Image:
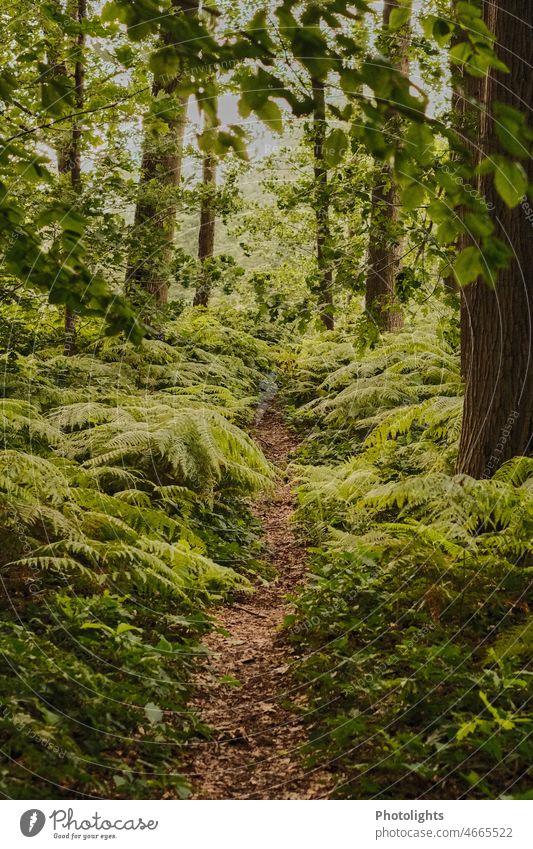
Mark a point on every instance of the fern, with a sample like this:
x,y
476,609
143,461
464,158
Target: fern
x,y
188,444
515,642
421,576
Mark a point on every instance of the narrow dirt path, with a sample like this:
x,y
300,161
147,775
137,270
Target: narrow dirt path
x,y
255,753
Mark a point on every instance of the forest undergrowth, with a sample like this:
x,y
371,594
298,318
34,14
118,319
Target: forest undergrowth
x,y
126,478
129,476
415,631
207,209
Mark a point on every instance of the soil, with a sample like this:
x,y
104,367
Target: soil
x,y
258,733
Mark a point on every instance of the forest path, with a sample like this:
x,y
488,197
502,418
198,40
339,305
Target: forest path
x,y
256,749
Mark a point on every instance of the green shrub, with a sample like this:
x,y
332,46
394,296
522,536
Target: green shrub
x,y
415,628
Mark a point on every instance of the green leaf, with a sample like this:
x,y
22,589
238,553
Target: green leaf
x,y
232,141
448,231
509,137
399,16
124,627
427,23
153,713
439,211
57,95
468,266
466,11
421,141
442,32
413,196
511,181
8,84
478,224
335,147
460,53
270,114
165,61
467,728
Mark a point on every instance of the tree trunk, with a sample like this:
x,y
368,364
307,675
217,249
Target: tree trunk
x,y
465,121
384,254
457,119
206,235
68,146
496,323
386,246
79,12
323,233
150,258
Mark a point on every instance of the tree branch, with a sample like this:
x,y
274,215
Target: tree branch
x,y
76,115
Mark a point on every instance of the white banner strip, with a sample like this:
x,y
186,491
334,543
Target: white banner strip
x,y
268,825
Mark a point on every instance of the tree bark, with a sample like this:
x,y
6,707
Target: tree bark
x,y
68,148
496,323
457,104
206,235
469,124
384,254
465,121
323,230
79,12
150,257
386,246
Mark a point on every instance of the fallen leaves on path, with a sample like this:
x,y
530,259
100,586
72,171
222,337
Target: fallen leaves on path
x,y
257,740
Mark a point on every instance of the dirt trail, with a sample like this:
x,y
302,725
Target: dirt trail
x,y
255,753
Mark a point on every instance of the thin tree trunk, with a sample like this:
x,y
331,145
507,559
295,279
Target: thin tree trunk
x,y
323,231
384,254
150,258
386,245
206,235
465,120
496,323
74,153
469,125
68,146
458,111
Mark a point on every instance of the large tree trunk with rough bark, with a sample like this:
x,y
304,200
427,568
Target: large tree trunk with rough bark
x,y
323,231
385,244
151,253
496,323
